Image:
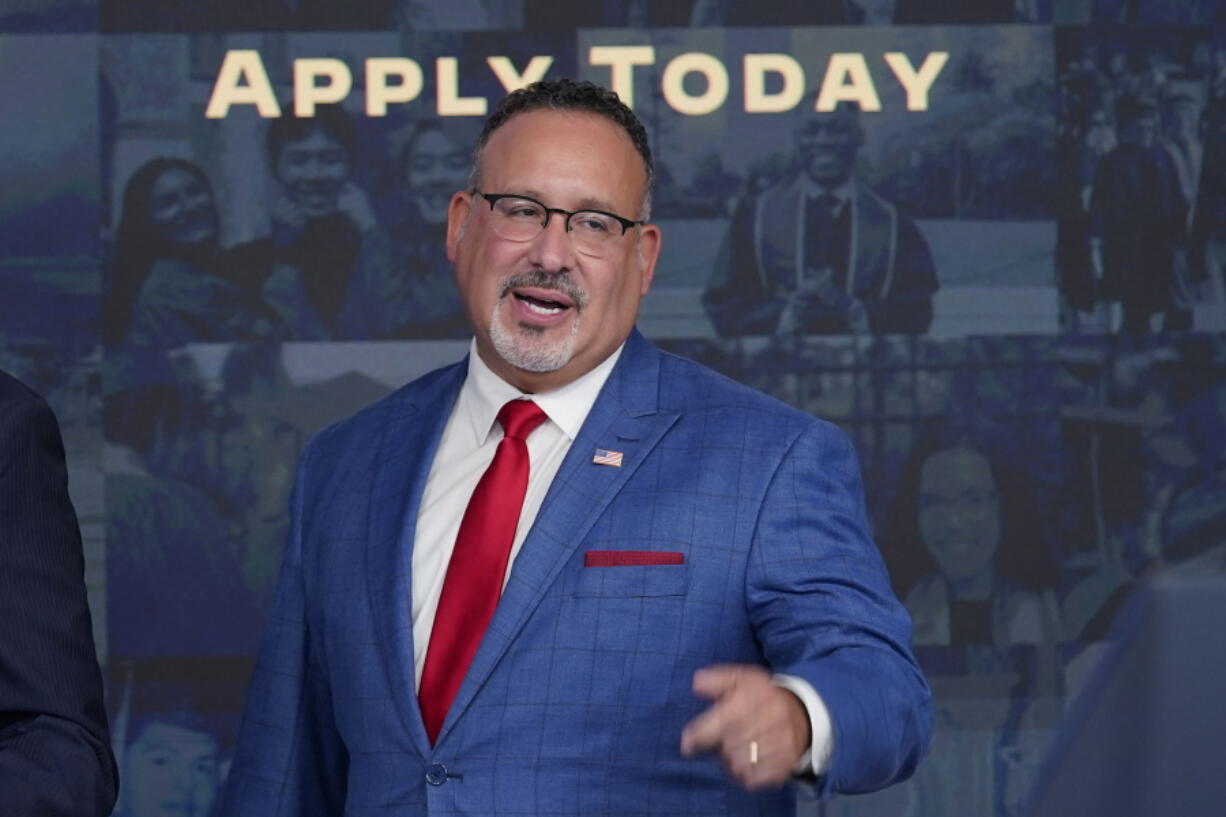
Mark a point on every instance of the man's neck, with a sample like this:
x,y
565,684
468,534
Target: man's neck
x,y
841,190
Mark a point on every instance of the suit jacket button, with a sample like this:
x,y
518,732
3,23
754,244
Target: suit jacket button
x,y
436,775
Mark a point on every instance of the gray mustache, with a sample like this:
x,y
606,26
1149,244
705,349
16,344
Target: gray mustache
x,y
560,282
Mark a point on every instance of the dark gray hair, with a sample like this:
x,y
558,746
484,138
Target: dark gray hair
x,y
569,95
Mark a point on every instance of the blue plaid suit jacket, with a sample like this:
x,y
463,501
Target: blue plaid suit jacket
x,y
575,701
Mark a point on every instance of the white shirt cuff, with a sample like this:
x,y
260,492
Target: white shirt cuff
x,y
817,758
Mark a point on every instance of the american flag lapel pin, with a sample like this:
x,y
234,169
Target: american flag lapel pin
x,y
603,457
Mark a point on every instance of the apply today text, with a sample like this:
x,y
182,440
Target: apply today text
x,y
243,80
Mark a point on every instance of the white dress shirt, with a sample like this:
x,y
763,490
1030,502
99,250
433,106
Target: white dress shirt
x,y
466,450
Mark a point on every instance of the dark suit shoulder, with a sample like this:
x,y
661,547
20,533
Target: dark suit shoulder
x,y
13,392
27,420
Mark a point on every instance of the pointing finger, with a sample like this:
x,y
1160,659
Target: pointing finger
x,y
716,680
704,733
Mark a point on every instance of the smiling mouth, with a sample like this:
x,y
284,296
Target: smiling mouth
x,y
541,300
541,306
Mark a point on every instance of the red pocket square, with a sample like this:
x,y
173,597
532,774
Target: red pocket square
x,y
623,558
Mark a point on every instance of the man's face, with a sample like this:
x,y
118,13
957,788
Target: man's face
x,y
959,515
312,171
827,144
181,208
434,168
543,313
169,771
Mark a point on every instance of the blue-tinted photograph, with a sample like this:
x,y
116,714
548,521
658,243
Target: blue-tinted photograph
x,y
49,203
1109,12
48,16
1141,154
327,227
1145,426
181,16
201,445
754,13
766,204
173,727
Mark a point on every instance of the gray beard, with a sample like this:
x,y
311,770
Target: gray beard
x,y
526,346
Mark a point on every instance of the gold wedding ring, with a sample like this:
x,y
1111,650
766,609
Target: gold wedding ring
x,y
753,753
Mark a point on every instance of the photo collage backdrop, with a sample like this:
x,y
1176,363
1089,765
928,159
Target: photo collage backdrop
x,y
1013,304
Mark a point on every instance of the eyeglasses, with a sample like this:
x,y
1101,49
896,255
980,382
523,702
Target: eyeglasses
x,y
519,218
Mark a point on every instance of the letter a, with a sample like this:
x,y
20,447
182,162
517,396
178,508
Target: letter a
x,y
237,66
847,80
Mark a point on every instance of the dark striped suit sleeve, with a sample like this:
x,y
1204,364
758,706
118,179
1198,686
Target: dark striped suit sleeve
x,y
55,757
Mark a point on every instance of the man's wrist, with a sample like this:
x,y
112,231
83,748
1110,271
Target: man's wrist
x,y
816,757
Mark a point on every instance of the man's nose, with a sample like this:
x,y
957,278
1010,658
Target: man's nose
x,y
552,249
315,166
180,780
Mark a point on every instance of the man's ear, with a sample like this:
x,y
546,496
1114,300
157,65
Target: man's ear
x,y
650,239
458,212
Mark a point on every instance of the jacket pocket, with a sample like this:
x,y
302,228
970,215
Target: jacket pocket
x,y
631,558
629,580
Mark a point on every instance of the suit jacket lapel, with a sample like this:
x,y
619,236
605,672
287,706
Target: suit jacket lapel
x,y
411,433
624,418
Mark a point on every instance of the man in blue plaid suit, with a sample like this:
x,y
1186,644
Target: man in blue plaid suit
x,y
693,616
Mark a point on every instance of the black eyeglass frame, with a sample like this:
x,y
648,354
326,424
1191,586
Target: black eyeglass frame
x,y
494,198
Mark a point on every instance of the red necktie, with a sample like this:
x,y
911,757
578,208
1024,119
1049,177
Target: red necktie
x,y
478,565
